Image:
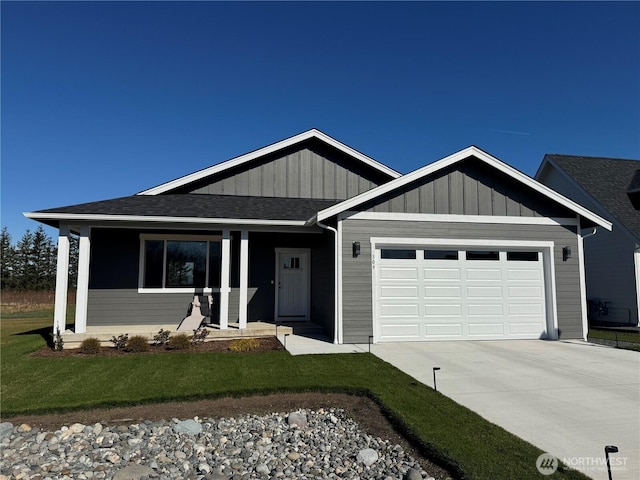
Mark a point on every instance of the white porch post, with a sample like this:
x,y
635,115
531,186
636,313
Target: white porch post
x,y
62,280
244,278
224,280
82,295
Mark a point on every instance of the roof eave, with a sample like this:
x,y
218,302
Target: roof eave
x,y
84,218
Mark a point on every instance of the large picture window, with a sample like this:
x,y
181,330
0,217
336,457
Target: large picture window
x,y
180,262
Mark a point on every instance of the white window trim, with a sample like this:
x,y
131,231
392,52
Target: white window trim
x,y
166,238
546,247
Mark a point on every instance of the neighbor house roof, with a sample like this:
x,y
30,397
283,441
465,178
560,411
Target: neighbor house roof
x,y
468,152
289,142
189,208
606,180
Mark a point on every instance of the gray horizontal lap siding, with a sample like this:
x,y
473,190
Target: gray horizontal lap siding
x,y
357,272
468,188
308,171
113,282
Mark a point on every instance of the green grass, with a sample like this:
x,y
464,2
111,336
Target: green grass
x,y
613,335
448,433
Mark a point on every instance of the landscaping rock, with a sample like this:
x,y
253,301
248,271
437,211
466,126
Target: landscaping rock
x,y
368,456
297,419
190,427
133,472
304,444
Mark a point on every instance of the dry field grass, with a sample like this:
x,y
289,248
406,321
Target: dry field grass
x,y
20,302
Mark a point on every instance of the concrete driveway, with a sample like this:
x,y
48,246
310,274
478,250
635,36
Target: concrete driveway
x,y
568,398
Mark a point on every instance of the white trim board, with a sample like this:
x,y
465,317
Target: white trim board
x,y
79,217
450,160
234,162
429,217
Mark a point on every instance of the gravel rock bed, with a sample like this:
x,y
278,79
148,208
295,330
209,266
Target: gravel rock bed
x,y
304,444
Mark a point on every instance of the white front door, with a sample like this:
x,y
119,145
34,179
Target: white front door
x,y
292,284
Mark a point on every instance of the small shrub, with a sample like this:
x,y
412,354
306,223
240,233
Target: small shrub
x,y
90,346
120,341
179,342
137,344
161,338
244,345
199,336
58,343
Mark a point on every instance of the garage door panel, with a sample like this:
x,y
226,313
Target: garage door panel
x,y
443,329
399,310
395,273
486,329
493,274
516,275
424,298
442,274
528,291
401,291
526,309
443,310
482,310
442,291
403,330
484,292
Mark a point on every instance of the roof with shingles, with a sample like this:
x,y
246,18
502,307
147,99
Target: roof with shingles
x,y
200,206
607,180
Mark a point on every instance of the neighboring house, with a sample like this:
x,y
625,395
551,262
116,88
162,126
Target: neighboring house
x,y
310,229
611,188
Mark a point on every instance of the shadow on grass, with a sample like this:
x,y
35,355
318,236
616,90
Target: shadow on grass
x,y
45,332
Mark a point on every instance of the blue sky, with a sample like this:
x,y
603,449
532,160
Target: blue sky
x,y
101,100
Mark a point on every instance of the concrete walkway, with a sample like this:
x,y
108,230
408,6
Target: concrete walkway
x,y
568,398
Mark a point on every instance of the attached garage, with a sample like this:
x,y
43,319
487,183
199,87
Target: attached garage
x,y
466,248
435,292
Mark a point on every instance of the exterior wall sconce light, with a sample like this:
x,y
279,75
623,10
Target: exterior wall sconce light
x,y
566,253
356,249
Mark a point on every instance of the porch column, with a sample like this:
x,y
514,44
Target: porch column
x,y
62,280
244,278
224,280
82,295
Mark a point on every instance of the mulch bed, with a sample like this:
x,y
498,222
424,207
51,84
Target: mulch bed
x,y
266,344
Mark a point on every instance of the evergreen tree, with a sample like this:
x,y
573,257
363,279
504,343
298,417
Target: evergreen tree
x,y
7,263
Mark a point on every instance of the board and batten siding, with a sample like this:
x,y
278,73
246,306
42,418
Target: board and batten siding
x,y
357,274
308,171
468,188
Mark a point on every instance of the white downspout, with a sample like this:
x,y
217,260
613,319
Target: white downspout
x,y
335,280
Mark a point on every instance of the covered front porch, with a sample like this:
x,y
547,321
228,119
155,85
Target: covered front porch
x,y
258,278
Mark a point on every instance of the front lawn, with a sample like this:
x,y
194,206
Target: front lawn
x,y
453,435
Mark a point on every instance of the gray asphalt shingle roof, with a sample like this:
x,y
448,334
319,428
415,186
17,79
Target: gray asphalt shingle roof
x,y
607,180
202,206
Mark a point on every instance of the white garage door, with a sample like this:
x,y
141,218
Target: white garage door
x,y
436,294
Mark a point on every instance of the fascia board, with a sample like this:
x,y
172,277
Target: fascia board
x,y
234,162
450,160
74,217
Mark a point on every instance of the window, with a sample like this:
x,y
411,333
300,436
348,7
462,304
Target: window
x,y
441,255
398,254
483,255
291,263
181,262
522,256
